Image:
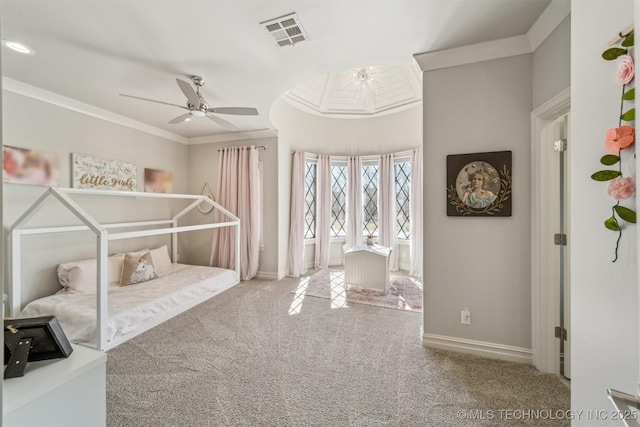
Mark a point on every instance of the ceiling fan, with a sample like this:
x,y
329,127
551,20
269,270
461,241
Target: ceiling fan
x,y
197,106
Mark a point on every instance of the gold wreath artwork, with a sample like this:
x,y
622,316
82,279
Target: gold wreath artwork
x,y
503,195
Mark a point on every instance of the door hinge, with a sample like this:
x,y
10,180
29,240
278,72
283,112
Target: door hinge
x,y
560,239
560,145
561,333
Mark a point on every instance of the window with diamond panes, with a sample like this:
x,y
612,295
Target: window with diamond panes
x,y
403,190
370,199
309,200
338,200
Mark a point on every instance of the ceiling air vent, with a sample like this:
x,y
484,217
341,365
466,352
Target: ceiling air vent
x,y
286,30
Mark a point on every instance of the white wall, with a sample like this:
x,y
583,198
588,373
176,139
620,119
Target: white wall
x,y
347,137
298,130
480,263
604,308
35,124
203,167
552,64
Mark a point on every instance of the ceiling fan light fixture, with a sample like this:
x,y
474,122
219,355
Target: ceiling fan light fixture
x,y
197,113
18,47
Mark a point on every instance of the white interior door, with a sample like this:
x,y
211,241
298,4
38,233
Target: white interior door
x,y
566,271
550,122
560,213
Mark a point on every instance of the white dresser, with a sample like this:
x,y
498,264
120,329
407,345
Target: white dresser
x,y
60,392
367,266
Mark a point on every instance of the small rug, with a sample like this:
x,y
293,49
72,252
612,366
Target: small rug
x,y
404,293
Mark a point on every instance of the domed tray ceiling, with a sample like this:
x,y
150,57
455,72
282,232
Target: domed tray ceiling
x,y
359,92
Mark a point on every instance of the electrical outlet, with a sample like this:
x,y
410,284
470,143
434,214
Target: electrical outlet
x,y
465,317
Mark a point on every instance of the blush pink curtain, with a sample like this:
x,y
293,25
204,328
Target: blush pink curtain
x,y
387,233
323,211
296,263
355,227
239,192
415,213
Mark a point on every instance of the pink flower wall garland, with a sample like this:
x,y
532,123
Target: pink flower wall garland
x,y
621,188
618,139
624,70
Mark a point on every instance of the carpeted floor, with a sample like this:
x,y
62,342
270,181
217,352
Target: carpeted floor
x,y
249,358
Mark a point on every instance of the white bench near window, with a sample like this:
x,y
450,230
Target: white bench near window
x,y
367,266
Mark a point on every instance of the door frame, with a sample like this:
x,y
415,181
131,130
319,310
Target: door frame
x,y
544,299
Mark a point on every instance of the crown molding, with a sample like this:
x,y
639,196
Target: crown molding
x,y
34,92
548,21
234,136
43,95
470,54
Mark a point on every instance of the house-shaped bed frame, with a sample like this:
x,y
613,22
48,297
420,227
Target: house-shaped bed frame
x,y
104,234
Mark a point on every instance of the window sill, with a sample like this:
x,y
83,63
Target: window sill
x,y
331,240
401,242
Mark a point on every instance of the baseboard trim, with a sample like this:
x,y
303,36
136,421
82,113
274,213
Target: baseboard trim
x,y
267,275
478,348
332,263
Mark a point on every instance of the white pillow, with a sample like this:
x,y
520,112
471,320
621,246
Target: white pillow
x,y
161,259
80,276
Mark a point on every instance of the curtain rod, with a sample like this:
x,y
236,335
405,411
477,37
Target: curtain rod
x,y
397,153
259,147
620,35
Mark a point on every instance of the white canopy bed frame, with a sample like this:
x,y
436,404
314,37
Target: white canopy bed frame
x,y
104,235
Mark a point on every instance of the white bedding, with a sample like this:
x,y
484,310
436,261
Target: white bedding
x,y
130,307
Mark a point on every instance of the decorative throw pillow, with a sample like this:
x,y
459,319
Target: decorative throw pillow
x,y
80,276
161,260
137,268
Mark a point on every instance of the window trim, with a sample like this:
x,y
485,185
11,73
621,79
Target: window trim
x,y
374,200
367,160
343,207
395,179
315,199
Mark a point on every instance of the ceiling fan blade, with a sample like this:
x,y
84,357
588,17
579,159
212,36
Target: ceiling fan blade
x,y
153,100
180,119
189,92
224,123
238,111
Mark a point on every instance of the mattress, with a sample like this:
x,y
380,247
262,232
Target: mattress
x,y
134,305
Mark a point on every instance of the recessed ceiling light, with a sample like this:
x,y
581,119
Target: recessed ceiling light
x,y
18,47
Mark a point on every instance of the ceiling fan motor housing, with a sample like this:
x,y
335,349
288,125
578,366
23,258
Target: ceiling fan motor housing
x,y
197,80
